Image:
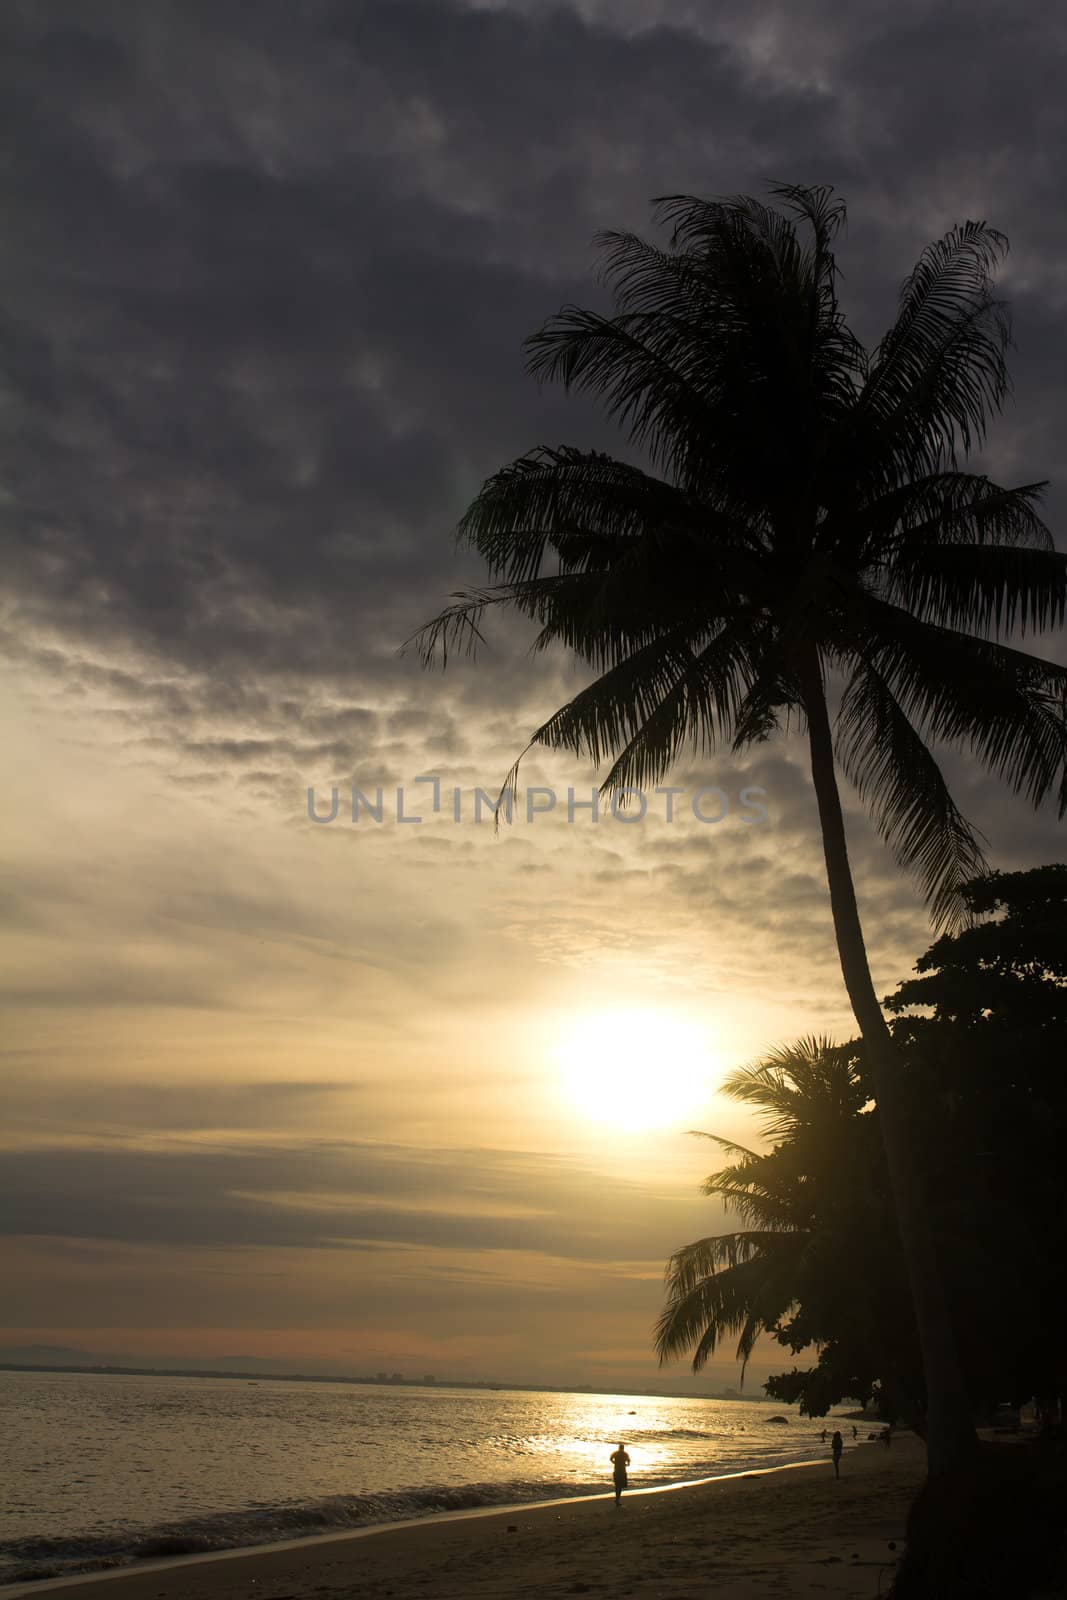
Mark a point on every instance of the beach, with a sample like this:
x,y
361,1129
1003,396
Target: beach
x,y
784,1532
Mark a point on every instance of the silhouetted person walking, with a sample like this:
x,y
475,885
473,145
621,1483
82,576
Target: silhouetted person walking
x,y
837,1445
855,1431
620,1461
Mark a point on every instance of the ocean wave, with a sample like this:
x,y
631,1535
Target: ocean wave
x,y
37,1557
656,1435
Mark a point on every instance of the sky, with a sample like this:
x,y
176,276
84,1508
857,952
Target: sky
x,y
406,1095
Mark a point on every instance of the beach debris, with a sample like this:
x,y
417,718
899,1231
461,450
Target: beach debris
x,y
513,1527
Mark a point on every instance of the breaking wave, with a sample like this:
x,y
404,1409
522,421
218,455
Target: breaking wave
x,y
39,1557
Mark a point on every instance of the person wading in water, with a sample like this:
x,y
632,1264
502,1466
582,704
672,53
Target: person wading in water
x,y
620,1461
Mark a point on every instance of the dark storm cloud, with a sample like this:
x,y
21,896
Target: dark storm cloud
x,y
260,315
263,311
328,1196
261,324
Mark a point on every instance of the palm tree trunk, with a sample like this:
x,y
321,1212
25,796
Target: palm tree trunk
x,y
951,1438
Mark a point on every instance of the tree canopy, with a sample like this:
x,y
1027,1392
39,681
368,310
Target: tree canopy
x,y
820,1268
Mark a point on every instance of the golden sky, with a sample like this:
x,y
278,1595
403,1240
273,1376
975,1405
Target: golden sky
x,y
383,1096
404,1095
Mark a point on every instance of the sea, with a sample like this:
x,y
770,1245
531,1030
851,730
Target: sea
x,y
106,1470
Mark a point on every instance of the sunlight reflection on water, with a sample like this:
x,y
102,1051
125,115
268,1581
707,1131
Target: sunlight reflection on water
x,y
110,1457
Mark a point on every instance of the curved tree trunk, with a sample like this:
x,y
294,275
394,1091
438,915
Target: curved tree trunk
x,y
951,1438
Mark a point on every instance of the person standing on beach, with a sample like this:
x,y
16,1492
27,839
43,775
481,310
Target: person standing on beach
x,y
619,1461
837,1445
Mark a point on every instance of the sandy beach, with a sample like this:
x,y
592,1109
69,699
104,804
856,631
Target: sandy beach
x,y
792,1531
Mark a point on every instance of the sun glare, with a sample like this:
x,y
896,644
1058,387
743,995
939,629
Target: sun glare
x,y
635,1070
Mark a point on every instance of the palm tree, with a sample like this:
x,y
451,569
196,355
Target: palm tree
x,y
805,540
745,1282
814,1243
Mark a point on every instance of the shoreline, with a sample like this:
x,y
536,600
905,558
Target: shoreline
x,y
25,1586
410,1557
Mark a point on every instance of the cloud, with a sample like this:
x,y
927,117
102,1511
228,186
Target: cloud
x,y
327,1196
260,341
287,350
232,441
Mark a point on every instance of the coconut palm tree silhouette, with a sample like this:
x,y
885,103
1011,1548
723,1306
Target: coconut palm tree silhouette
x,y
813,1211
807,548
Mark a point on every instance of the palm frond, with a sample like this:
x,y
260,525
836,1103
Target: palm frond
x,y
780,293
939,374
729,1145
945,507
673,691
1005,707
735,1284
768,1204
645,370
898,779
458,627
982,588
793,1082
772,692
956,549
585,509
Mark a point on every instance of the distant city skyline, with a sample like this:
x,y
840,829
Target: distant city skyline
x,y
68,1359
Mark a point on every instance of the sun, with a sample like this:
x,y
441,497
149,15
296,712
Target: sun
x,y
635,1070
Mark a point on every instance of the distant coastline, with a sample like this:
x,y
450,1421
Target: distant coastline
x,y
394,1381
